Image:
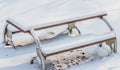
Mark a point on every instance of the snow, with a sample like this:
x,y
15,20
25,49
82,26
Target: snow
x,y
11,59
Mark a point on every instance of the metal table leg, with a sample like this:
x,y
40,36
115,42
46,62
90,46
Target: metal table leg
x,y
114,48
72,26
8,37
39,52
4,35
113,45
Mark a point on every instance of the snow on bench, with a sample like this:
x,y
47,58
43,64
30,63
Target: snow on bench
x,y
70,43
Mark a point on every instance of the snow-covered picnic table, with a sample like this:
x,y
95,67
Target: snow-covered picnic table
x,y
34,20
10,66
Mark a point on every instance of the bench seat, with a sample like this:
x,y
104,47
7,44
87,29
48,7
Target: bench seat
x,y
68,43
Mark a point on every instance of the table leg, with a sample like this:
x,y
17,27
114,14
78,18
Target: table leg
x,y
72,26
5,34
8,36
113,45
39,52
114,48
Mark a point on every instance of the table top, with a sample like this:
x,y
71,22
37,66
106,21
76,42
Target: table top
x,y
52,14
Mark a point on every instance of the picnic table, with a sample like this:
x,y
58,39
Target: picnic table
x,y
53,16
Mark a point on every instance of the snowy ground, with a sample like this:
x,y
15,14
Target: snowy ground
x,y
18,59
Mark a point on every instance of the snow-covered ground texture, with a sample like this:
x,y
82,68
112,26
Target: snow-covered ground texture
x,y
19,59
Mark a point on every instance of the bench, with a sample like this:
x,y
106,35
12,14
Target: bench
x,y
70,43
